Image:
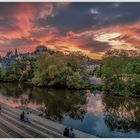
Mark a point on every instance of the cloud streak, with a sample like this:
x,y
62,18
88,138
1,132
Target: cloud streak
x,y
90,27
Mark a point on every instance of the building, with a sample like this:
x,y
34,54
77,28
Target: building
x,y
40,49
8,59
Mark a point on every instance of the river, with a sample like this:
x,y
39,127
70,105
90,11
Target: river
x,y
93,112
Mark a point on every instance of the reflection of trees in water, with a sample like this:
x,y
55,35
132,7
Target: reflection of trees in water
x,y
121,113
15,91
12,90
55,103
60,102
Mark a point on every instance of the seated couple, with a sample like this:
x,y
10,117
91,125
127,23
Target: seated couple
x,y
25,117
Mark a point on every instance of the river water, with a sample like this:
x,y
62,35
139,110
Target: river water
x,y
93,112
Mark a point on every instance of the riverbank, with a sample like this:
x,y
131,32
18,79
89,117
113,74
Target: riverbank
x,y
40,127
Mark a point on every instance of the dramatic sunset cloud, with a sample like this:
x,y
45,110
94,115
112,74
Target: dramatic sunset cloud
x,y
91,27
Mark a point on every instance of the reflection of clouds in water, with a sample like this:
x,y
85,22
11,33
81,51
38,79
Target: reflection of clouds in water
x,y
94,104
94,124
10,101
16,102
91,123
121,134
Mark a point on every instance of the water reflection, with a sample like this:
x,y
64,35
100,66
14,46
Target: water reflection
x,y
58,103
98,114
122,114
53,103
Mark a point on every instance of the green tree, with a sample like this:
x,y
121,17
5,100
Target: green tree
x,y
121,74
61,71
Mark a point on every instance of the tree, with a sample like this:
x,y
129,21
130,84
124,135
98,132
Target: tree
x,y
61,71
17,71
121,74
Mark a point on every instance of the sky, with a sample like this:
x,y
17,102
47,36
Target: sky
x,y
89,27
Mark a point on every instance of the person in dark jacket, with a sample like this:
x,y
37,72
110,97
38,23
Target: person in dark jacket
x,y
22,116
66,132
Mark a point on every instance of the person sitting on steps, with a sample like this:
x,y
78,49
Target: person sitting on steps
x,y
66,132
26,118
71,133
22,116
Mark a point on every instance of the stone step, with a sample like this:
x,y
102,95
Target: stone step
x,y
40,122
26,127
3,134
18,112
56,132
11,129
35,125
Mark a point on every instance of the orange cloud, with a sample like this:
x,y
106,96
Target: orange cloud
x,y
121,36
18,28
